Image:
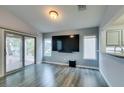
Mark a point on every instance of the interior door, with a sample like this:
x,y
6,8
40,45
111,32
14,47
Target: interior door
x,y
29,50
13,52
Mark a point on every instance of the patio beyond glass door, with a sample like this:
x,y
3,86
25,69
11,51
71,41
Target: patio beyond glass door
x,y
13,52
29,50
19,51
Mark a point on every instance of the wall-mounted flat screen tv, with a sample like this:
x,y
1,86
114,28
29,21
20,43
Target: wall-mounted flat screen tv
x,y
65,43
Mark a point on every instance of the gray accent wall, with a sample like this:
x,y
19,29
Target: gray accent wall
x,y
39,49
60,57
111,67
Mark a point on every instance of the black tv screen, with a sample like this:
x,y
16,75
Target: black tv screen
x,y
65,43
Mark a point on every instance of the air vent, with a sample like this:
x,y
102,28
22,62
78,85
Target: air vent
x,y
81,7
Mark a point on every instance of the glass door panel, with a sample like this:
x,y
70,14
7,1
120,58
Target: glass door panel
x,y
29,50
13,52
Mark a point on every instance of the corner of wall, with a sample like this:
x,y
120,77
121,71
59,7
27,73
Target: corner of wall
x,y
108,83
39,48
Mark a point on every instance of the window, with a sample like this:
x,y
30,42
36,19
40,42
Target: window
x,y
90,47
47,47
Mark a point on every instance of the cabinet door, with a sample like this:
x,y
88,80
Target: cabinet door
x,y
122,40
113,38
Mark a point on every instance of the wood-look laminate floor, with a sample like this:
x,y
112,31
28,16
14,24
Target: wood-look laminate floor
x,y
47,75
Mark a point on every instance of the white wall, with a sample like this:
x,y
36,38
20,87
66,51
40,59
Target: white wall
x,y
10,21
111,67
39,51
1,52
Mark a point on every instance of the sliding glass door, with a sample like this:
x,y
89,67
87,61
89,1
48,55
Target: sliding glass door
x,y
13,52
19,51
29,50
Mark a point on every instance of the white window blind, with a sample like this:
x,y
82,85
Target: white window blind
x,y
47,47
89,47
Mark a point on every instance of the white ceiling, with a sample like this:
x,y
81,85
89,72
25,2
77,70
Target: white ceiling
x,y
69,16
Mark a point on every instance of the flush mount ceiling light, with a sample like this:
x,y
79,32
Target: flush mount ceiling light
x,y
71,36
53,14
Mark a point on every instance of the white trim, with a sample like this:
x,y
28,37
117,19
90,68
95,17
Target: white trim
x,y
107,81
65,64
56,63
88,67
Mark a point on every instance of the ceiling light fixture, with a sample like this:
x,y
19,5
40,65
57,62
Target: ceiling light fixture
x,y
71,36
53,14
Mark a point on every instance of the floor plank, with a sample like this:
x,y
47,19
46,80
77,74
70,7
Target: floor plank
x,y
48,75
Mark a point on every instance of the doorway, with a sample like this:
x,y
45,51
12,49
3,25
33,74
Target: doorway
x,y
20,51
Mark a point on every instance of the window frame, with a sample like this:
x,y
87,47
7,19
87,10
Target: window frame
x,y
10,31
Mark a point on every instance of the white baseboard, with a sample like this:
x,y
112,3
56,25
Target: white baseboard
x,y
108,83
56,63
88,67
65,64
